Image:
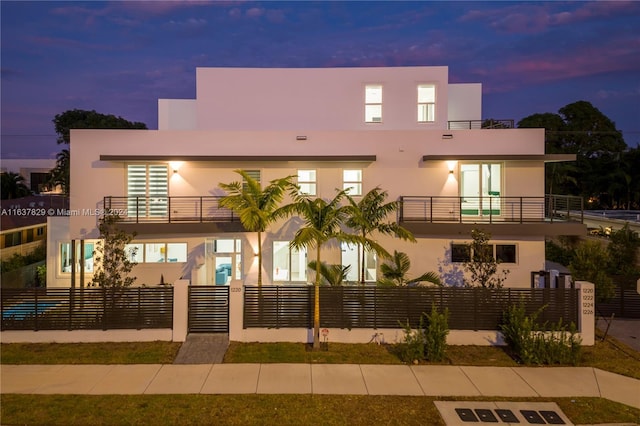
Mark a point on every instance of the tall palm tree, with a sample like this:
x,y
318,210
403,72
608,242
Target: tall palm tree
x,y
257,207
370,215
323,221
394,273
60,175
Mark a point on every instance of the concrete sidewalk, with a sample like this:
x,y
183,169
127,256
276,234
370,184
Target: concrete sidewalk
x,y
340,379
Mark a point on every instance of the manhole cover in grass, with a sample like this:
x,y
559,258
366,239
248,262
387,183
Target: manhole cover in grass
x,y
455,413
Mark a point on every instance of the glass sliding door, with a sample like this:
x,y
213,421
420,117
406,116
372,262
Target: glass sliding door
x,y
480,189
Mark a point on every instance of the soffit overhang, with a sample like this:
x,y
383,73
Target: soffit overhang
x,y
547,158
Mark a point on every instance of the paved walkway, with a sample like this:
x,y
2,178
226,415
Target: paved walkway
x,y
341,379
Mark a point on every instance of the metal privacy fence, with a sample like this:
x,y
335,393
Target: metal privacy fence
x,y
390,307
624,304
87,308
208,309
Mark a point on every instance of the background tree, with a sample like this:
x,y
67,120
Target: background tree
x,y
580,128
370,215
623,255
113,259
394,273
257,207
590,263
81,119
12,186
323,221
482,265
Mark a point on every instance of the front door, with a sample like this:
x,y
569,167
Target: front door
x,y
223,260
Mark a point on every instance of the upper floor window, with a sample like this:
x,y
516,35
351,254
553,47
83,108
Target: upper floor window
x,y
426,103
352,181
253,174
147,189
373,103
307,182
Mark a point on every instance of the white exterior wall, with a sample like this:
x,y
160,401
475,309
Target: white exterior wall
x,y
314,98
177,114
465,101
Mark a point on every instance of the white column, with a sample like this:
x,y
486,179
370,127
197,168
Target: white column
x,y
180,310
586,312
236,311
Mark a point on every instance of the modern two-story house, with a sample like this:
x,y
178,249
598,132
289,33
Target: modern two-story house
x,y
404,129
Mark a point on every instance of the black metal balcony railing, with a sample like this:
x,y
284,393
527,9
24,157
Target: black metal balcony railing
x,y
480,124
491,209
175,209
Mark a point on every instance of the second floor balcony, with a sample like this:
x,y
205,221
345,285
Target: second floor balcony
x,y
423,215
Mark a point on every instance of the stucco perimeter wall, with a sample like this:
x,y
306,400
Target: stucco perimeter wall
x,y
314,98
398,168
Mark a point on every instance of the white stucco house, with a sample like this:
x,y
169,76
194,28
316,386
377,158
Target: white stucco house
x,y
404,129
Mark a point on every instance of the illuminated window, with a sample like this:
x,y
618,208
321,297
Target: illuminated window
x,y
373,103
307,182
65,256
352,181
289,264
426,103
147,189
352,256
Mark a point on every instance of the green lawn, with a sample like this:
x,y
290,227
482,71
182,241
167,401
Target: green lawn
x,y
264,409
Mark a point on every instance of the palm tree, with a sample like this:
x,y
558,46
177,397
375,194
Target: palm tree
x,y
394,273
323,221
334,275
59,175
257,207
13,186
370,215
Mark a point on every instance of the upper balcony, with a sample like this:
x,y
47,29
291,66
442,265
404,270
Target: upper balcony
x,y
481,124
423,215
441,215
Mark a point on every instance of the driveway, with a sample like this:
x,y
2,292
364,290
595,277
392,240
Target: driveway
x,y
625,330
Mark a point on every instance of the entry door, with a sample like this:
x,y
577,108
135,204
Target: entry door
x,y
480,189
223,261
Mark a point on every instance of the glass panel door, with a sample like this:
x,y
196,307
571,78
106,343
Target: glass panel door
x,y
223,261
480,189
470,189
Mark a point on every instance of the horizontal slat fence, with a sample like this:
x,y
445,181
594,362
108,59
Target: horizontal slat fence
x,y
624,304
87,308
208,309
389,307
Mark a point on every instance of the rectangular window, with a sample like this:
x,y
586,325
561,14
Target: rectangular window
x,y
156,252
307,182
40,231
289,264
29,235
176,252
147,189
373,103
352,256
135,252
352,181
503,253
13,239
65,256
426,103
253,174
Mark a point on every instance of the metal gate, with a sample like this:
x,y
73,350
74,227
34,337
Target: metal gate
x,y
208,309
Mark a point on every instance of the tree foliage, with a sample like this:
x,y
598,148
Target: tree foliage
x,y
13,186
482,266
333,275
257,207
605,173
371,215
623,255
80,119
394,273
591,263
113,259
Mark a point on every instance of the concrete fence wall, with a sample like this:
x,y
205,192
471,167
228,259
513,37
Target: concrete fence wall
x,y
586,325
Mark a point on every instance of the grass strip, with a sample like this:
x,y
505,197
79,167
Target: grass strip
x,y
265,409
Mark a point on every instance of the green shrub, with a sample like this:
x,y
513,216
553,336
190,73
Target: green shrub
x,y
412,350
531,344
435,334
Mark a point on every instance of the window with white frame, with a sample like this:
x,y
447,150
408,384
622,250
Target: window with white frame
x,y
253,174
373,103
147,189
426,103
289,264
352,256
66,257
352,181
307,182
156,252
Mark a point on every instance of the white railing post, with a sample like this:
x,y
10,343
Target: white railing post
x,y
236,310
180,310
586,312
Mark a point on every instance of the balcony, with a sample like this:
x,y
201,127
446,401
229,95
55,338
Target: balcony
x,y
172,214
548,215
480,124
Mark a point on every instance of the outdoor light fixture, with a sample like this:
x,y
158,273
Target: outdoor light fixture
x,y
447,136
450,172
301,138
175,165
451,165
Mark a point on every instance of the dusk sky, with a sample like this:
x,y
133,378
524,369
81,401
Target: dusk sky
x,y
120,57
